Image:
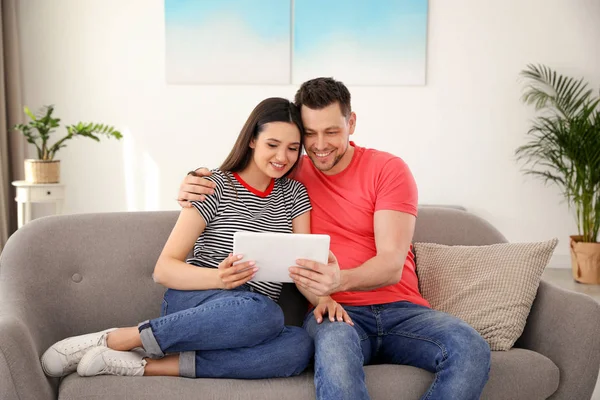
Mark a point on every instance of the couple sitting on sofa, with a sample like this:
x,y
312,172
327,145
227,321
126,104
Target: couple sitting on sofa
x,y
216,322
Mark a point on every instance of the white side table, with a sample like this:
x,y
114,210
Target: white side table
x,y
28,193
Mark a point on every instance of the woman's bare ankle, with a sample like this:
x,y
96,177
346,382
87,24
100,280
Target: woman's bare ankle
x,y
124,339
167,366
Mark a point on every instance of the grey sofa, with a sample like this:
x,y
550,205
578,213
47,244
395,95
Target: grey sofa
x,y
68,275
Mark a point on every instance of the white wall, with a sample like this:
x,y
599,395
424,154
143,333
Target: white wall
x,y
103,60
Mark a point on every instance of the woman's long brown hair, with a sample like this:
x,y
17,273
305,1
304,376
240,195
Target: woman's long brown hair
x,y
274,109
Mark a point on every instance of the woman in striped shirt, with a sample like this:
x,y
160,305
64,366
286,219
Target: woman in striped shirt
x,y
215,322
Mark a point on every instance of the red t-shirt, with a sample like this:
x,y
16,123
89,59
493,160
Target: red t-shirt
x,y
343,208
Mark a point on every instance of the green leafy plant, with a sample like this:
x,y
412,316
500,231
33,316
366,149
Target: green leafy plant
x,y
38,130
564,142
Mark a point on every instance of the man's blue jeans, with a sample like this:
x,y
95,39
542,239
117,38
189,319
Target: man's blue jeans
x,y
398,333
226,334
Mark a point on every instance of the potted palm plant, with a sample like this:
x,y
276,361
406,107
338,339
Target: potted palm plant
x,y
564,149
45,169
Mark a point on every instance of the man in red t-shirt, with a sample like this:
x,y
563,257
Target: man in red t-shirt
x,y
366,200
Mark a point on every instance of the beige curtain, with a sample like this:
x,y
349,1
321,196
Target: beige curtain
x,y
12,144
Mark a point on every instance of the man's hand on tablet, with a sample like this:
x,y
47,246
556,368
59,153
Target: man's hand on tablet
x,y
319,279
194,187
232,276
332,308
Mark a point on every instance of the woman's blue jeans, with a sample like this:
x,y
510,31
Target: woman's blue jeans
x,y
226,334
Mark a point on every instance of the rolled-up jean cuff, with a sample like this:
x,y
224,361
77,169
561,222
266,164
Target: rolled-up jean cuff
x,y
149,341
187,364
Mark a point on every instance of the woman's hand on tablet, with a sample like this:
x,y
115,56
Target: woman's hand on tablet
x,y
332,308
232,276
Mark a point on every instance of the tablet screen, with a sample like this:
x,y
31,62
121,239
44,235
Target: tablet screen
x,y
274,253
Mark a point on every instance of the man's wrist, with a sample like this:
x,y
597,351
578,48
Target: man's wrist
x,y
345,278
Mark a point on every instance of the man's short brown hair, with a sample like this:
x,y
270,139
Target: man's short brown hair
x,y
319,93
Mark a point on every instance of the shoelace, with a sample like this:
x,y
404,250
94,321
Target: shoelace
x,y
116,366
75,352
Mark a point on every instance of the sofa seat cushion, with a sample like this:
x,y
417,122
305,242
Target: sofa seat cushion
x,y
521,374
531,376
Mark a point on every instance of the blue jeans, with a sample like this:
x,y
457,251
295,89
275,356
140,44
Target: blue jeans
x,y
226,334
398,333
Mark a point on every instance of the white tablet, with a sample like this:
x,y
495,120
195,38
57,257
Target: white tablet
x,y
274,253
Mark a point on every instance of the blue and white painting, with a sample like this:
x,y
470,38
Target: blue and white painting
x,y
360,42
228,41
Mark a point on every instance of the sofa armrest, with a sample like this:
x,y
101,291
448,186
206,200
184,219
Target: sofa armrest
x,y
21,374
564,326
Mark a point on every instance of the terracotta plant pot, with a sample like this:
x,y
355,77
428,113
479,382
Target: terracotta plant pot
x,y
40,171
585,261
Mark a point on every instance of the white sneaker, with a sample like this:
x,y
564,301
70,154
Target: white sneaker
x,y
105,361
62,357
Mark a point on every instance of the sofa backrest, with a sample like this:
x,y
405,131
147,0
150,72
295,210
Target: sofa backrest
x,y
80,273
452,226
86,272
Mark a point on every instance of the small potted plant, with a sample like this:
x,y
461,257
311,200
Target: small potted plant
x,y
564,149
45,169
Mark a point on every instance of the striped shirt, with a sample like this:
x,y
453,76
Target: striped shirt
x,y
235,207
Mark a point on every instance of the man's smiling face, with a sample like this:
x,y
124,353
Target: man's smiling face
x,y
327,137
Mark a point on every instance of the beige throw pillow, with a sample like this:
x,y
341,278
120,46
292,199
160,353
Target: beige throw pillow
x,y
491,287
